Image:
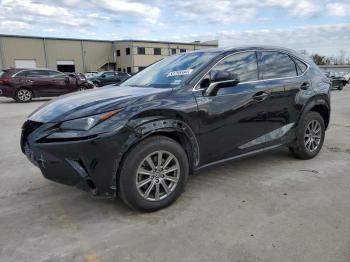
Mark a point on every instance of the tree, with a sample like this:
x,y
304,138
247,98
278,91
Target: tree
x,y
319,60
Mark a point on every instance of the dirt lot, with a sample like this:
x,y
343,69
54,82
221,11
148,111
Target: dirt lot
x,y
270,207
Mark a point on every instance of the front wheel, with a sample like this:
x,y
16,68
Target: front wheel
x,y
340,87
310,135
153,174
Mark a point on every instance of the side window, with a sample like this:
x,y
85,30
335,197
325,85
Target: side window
x,y
277,65
243,64
108,74
21,74
37,73
301,66
56,74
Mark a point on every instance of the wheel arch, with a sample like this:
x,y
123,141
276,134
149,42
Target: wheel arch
x,y
320,105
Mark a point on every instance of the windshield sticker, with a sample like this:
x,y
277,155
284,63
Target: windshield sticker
x,y
179,73
176,82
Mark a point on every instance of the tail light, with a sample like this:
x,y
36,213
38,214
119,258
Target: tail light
x,y
4,81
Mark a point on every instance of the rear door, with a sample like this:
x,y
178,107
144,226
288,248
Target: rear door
x,y
280,70
38,81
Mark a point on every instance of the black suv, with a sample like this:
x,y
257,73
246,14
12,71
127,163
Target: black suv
x,y
186,112
108,78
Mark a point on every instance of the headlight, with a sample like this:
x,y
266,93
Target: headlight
x,y
86,123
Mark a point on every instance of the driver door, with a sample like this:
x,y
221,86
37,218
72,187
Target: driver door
x,y
233,120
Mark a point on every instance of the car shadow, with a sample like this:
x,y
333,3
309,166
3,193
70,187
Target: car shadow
x,y
10,101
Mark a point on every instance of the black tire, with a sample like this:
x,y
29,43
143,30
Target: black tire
x,y
23,95
127,188
82,88
299,148
97,84
340,87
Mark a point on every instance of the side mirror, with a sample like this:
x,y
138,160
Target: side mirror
x,y
103,76
221,79
66,79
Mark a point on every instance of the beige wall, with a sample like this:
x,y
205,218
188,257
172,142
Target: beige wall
x,y
135,61
96,53
64,50
123,61
16,48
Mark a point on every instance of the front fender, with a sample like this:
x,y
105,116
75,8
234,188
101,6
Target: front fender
x,y
147,126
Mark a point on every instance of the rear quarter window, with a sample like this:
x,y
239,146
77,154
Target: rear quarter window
x,y
277,65
301,66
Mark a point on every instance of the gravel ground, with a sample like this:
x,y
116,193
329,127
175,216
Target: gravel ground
x,y
270,207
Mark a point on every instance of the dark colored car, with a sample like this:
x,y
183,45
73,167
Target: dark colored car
x,y
338,81
24,84
109,78
186,112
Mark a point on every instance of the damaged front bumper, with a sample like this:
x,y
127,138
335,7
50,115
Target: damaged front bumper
x,y
90,164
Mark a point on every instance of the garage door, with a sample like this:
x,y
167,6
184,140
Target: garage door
x,y
25,63
65,65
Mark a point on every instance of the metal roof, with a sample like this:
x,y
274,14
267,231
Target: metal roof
x,y
109,41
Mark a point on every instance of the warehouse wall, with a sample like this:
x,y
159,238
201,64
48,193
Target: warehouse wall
x,y
87,55
135,60
16,48
97,54
64,50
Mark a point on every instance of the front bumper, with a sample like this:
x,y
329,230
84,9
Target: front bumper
x,y
6,91
89,164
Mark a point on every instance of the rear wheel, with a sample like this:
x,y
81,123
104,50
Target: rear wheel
x,y
153,174
310,136
23,95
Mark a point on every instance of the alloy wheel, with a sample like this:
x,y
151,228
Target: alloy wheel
x,y
312,137
157,175
24,95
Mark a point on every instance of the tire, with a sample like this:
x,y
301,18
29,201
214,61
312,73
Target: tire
x,y
97,84
340,87
23,95
308,143
136,169
82,88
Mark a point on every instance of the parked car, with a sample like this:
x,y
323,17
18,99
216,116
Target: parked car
x,y
346,75
24,84
140,141
108,78
338,81
90,73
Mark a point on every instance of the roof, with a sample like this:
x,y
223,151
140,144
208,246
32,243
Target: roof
x,y
109,41
167,42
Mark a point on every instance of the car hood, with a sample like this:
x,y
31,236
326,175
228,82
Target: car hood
x,y
92,102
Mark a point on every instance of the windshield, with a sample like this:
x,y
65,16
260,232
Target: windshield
x,y
171,71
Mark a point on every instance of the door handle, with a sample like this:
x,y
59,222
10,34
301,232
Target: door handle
x,y
260,96
305,86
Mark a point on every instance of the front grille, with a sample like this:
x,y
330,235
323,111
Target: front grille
x,y
28,128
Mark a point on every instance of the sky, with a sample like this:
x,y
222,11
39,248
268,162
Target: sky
x,y
321,26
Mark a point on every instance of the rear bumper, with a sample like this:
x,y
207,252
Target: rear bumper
x,y
89,164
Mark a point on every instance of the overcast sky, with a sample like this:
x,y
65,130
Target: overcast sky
x,y
314,25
